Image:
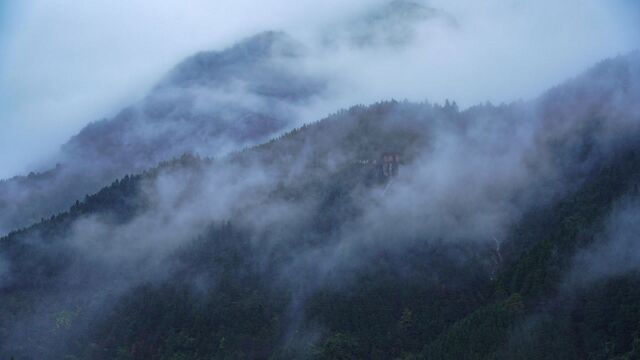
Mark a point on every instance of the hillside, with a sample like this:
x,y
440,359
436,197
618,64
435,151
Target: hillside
x,y
497,236
211,103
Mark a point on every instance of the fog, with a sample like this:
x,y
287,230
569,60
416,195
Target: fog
x,y
66,63
313,215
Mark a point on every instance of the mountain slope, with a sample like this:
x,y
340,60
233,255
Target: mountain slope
x,y
303,247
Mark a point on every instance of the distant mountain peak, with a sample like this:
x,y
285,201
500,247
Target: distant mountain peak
x,y
393,24
219,66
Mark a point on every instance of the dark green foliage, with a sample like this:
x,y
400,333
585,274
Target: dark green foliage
x,y
478,335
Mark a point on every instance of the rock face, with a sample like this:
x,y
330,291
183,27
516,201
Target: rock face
x,y
390,163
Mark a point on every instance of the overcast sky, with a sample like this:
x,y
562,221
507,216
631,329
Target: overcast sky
x,y
64,63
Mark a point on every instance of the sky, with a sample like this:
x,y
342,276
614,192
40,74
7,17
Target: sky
x,y
65,63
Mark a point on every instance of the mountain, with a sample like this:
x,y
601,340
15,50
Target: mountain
x,y
396,230
210,104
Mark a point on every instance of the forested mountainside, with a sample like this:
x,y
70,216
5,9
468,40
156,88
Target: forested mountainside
x,y
211,103
391,231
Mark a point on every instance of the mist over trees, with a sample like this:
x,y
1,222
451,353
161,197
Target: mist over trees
x,y
210,104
